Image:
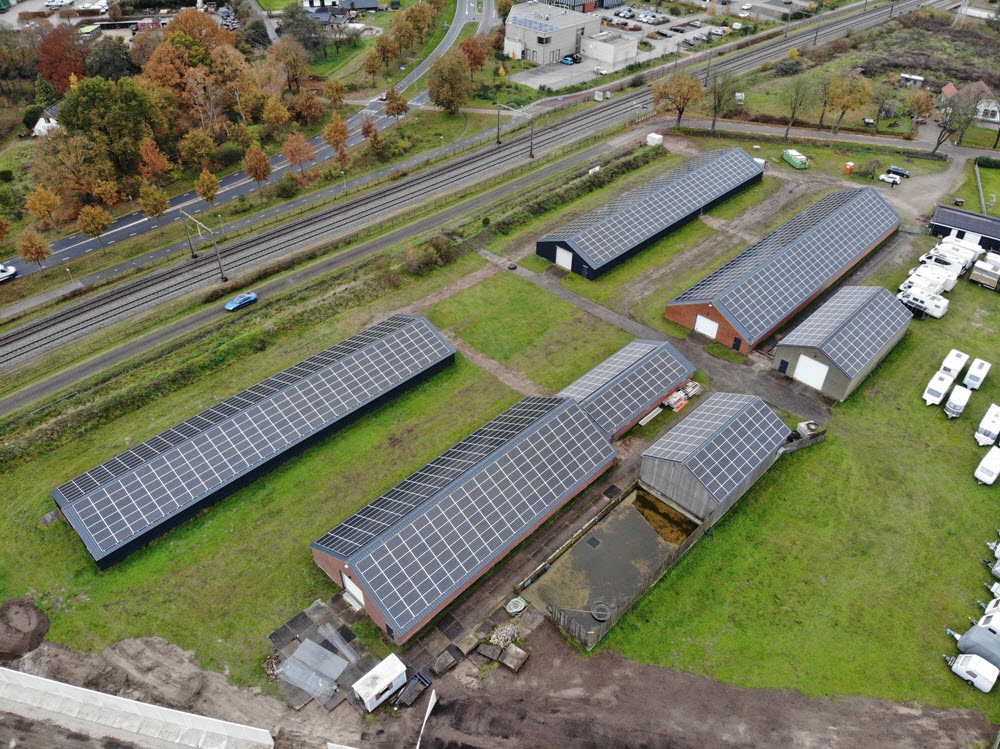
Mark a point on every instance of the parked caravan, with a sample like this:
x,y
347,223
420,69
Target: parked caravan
x,y
968,256
954,363
937,388
989,467
976,374
953,263
972,248
957,401
977,671
978,641
989,427
923,284
923,303
948,278
986,272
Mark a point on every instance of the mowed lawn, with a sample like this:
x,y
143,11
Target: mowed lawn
x,y
840,570
529,329
220,582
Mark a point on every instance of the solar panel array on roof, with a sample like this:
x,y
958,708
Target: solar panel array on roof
x,y
423,557
723,441
617,227
118,503
531,23
852,327
630,383
770,280
956,218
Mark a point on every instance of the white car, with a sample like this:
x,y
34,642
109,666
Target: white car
x,y
746,6
600,71
892,179
7,272
743,14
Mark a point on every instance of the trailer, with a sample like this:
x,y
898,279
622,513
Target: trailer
x,y
978,641
976,374
957,401
977,671
935,273
923,284
989,427
986,472
795,158
937,388
954,363
922,303
986,272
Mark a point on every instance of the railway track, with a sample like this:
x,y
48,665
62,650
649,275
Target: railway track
x,y
22,343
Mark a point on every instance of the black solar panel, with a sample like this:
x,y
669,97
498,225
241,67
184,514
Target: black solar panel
x,y
852,327
723,442
977,223
129,495
629,383
415,565
770,280
621,224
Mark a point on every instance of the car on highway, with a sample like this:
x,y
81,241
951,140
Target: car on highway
x,y
241,301
7,272
383,96
899,172
892,179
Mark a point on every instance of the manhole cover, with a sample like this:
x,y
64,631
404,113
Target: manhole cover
x,y
600,611
594,542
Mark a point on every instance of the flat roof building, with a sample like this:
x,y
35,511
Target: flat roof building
x,y
967,225
544,34
413,550
602,239
709,460
139,494
626,386
839,344
758,291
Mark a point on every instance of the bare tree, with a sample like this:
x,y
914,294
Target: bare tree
x,y
722,95
796,96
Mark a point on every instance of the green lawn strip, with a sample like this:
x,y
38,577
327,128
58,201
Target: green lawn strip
x,y
517,323
536,263
719,351
15,190
969,191
422,131
877,530
749,197
979,137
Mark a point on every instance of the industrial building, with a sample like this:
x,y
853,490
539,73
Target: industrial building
x,y
712,458
757,292
413,550
840,343
544,34
127,501
602,239
626,386
968,225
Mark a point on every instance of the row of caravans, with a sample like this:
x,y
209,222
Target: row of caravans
x,y
937,273
979,647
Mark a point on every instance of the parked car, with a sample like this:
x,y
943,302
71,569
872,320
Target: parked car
x,y
665,34
746,6
892,179
898,171
576,58
695,24
241,301
7,272
718,32
568,60
743,14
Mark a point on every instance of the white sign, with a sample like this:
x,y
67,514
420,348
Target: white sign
x,y
595,169
430,706
598,96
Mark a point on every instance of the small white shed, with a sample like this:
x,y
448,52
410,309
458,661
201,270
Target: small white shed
x,y
374,688
44,126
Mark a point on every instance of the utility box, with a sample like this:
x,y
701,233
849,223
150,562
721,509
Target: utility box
x,y
654,139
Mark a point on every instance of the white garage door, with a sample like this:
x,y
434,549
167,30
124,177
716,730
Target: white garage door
x,y
705,326
811,372
564,258
353,589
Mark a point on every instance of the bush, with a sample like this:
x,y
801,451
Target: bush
x,y
226,155
32,115
870,168
242,205
637,81
288,187
351,86
787,67
419,260
766,65
988,162
6,175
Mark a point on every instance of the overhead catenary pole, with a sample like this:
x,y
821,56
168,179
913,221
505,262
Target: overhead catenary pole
x,y
218,255
498,122
188,233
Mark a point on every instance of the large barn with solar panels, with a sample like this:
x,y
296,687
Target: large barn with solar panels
x,y
127,501
595,243
840,343
712,458
757,292
629,384
417,547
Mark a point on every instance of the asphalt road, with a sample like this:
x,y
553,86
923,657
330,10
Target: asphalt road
x,y
233,186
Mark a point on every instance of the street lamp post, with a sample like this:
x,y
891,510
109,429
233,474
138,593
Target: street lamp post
x,y
531,139
131,203
344,177
498,122
222,226
71,280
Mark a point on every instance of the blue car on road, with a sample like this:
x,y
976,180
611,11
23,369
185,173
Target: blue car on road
x,y
243,300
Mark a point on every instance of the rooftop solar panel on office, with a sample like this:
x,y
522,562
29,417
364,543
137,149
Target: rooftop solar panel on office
x,y
532,23
852,327
618,226
419,559
723,441
132,494
630,383
767,282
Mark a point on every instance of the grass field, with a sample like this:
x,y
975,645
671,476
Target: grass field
x,y
517,323
970,192
840,570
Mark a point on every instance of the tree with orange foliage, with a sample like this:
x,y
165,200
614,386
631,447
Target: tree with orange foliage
x,y
201,27
93,222
474,48
207,186
167,66
308,108
367,126
256,165
293,56
343,158
5,227
335,133
60,56
33,248
275,113
298,151
153,164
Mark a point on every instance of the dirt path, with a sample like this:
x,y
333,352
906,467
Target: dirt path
x,y
554,701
